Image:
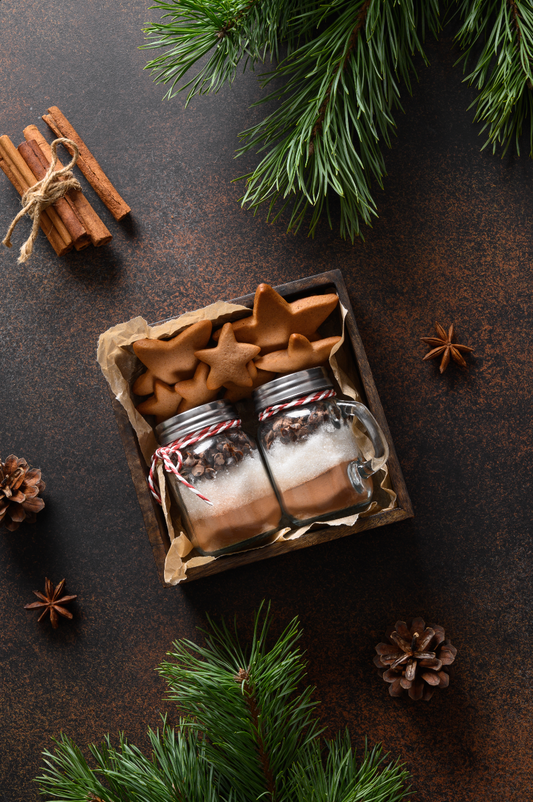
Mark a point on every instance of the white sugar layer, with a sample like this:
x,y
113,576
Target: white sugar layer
x,y
235,487
295,463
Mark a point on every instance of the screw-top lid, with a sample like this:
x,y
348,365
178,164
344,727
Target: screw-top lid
x,y
292,385
193,420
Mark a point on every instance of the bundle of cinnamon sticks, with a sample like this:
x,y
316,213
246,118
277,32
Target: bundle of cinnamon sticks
x,y
71,222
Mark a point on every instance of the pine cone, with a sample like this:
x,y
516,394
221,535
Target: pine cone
x,y
20,486
417,661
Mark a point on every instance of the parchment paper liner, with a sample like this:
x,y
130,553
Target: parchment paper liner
x,y
121,367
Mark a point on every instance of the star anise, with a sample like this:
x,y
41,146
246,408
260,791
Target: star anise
x,y
442,344
51,602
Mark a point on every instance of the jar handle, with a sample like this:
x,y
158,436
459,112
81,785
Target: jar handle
x,y
377,438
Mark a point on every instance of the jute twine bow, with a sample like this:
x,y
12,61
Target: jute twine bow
x,y
54,185
164,453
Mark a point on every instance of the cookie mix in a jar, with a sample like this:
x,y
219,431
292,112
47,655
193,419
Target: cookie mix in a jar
x,y
217,476
310,447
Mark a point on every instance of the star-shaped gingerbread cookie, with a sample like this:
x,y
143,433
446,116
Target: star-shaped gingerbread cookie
x,y
229,361
163,403
144,384
274,319
195,391
299,355
174,360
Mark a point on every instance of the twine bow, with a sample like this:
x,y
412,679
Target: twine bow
x,y
164,453
54,185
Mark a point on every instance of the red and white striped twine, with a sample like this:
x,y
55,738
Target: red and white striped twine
x,y
298,402
164,453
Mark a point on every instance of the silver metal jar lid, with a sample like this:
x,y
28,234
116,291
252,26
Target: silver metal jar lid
x,y
193,420
289,386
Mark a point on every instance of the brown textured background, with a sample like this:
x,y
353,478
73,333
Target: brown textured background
x,y
452,243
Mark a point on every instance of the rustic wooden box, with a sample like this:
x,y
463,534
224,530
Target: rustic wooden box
x,y
331,281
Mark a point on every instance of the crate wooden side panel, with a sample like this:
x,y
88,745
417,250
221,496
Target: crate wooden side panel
x,y
331,281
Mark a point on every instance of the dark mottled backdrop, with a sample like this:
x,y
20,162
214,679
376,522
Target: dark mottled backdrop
x,y
452,243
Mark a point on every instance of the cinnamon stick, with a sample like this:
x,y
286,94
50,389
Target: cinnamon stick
x,y
45,223
77,231
19,166
87,163
96,228
36,160
18,172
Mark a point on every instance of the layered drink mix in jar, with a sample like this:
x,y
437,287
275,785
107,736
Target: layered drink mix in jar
x,y
307,439
220,483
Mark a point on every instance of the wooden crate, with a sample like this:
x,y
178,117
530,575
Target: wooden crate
x,y
331,281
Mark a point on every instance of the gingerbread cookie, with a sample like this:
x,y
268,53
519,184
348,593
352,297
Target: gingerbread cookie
x,y
229,361
299,355
174,360
274,319
195,391
144,385
235,393
163,403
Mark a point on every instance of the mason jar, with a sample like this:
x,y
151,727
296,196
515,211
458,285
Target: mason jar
x,y
312,449
218,479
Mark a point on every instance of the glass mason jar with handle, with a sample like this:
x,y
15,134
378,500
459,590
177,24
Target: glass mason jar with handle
x,y
217,476
311,449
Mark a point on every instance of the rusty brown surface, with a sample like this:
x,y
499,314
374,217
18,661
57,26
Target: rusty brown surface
x,y
452,244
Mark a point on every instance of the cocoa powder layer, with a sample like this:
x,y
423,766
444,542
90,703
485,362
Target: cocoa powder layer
x,y
217,531
329,492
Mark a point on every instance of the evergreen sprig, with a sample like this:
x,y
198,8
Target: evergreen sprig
x,y
503,72
334,110
229,31
339,86
177,770
248,733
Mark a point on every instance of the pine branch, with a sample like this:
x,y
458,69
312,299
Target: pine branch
x,y
341,77
228,31
246,704
503,73
334,112
340,87
249,735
